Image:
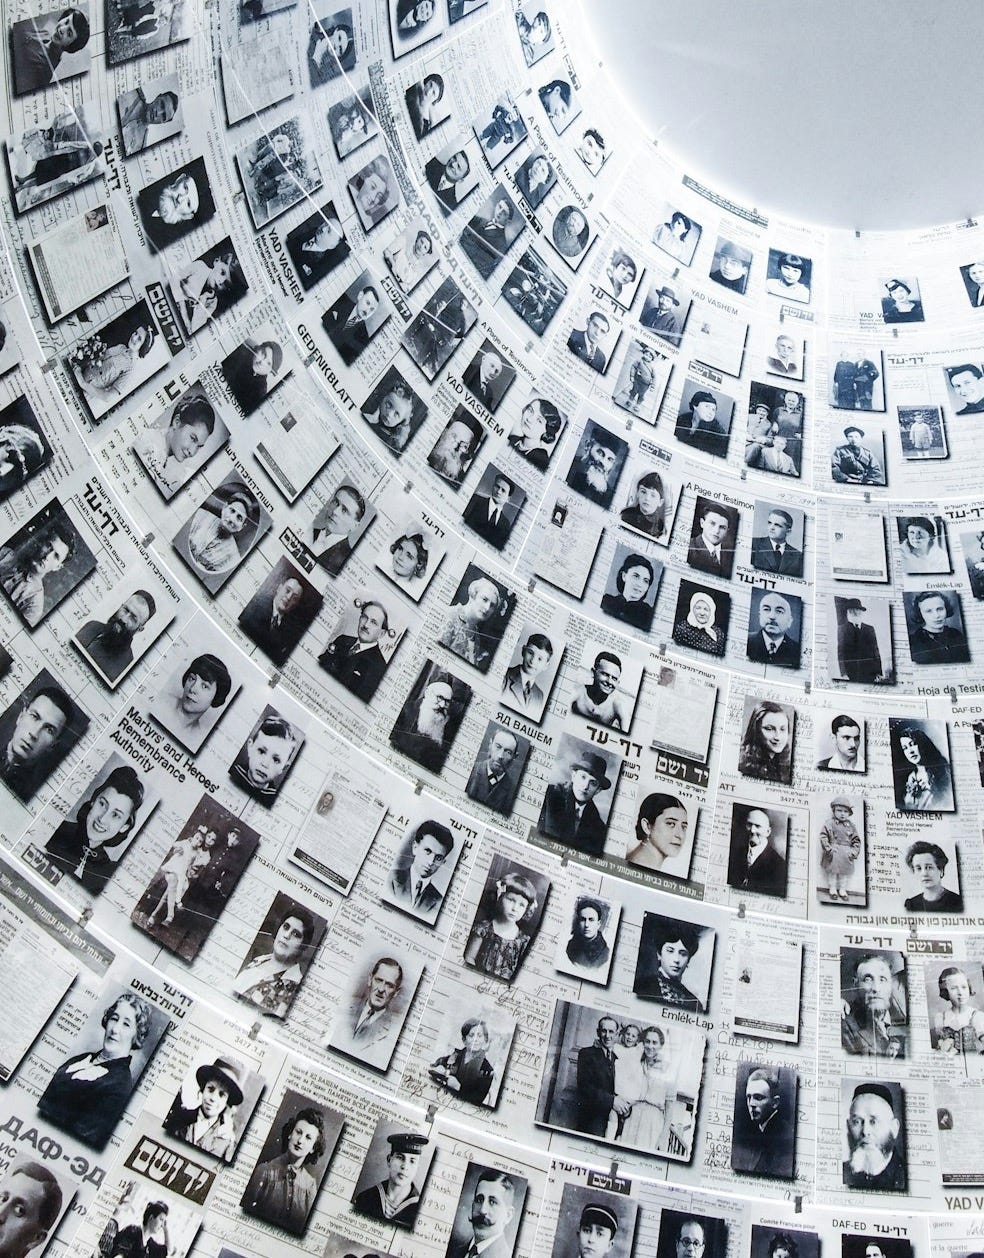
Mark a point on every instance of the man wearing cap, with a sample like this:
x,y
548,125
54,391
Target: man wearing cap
x,y
773,643
661,319
788,283
873,1129
732,267
569,813
397,1198
773,552
858,656
699,426
586,344
853,463
209,1126
596,1232
967,382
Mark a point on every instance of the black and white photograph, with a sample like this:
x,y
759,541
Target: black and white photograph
x,y
363,642
758,851
213,284
110,364
571,234
767,741
730,265
281,611
874,1003
579,795
531,673
785,354
477,618
840,854
701,619
507,919
921,772
374,190
901,301
111,809
775,629
352,122
474,1044
37,731
686,1233
256,10
664,835
597,464
50,159
136,27
196,694
857,456
670,951
176,204
593,1223
866,1247
452,174
705,417
857,381
774,438
222,532
535,178
954,989
763,1130
713,537
489,375
560,103
393,411
265,759
341,522
875,1142
197,875
665,309
498,769
283,948
10,350
278,170
592,150
90,1089
500,130
774,1242
606,686
123,626
39,1199
623,1081
585,949
413,23
427,104
491,232
393,1174
930,874
150,113
488,1214
840,741
411,556
144,1219
424,865
593,340
642,379
678,234
214,1104
533,26
181,441
454,451
411,255
432,712
972,275
922,432
50,47
789,276
433,336
283,1185
356,317
42,562
331,48
534,292
370,1015
24,446
863,650
492,510
778,536
632,587
965,388
535,435
621,276
935,626
972,545
317,245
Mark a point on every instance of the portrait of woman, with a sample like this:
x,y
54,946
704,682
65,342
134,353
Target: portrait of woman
x,y
497,942
661,833
927,862
766,749
111,363
172,454
933,639
666,949
331,47
251,371
424,105
282,1189
587,952
374,191
570,232
222,532
193,700
644,1077
634,583
535,436
921,771
959,1029
466,1072
647,508
90,847
279,957
899,305
535,178
921,548
211,285
698,626
678,237
409,562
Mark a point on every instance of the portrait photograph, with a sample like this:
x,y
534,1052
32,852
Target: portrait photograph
x,y
534,292
560,103
488,376
374,191
42,562
498,769
930,872
197,875
901,301
758,849
622,1081
778,537
40,1198
10,350
972,274
35,63
922,432
571,233
255,369
875,1139
427,104
491,232
874,1003
500,130
578,798
374,1004
713,537
352,122
411,556
884,1247
862,651
141,1212
340,523
213,284
474,1042
411,255
621,274
731,265
110,810
494,507
785,354
90,1089
586,947
632,587
775,629
414,23
840,741
857,456
652,497
215,1102
922,544
857,379
150,113
921,772
284,1184
682,1233
535,434
763,1129
176,204
789,276
109,365
256,10
768,740
443,323
477,618
424,864
705,418
317,245
181,441
665,308
124,625
594,1222
840,855
605,687
431,715
535,177
677,234
665,831
282,950
597,465
592,150
265,759
331,49
25,448
197,692
363,642
489,1211
536,35
278,170
642,378
507,918
531,672
393,1174
222,532
592,338
972,546
137,27
774,437
452,173
934,623
281,611
701,618
52,158
454,451
954,991
671,950
773,1242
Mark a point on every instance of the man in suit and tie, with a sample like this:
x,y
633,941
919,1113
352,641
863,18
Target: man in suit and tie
x,y
520,685
484,378
356,661
484,240
487,515
333,527
773,643
347,322
492,780
755,864
586,344
448,179
569,813
492,1210
858,656
411,886
711,550
272,622
596,1096
773,553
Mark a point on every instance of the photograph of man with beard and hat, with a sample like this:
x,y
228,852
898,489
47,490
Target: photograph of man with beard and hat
x,y
430,717
597,465
114,645
874,1121
874,1003
214,1104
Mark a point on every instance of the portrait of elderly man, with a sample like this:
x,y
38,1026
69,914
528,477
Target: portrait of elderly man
x,y
774,642
783,360
176,204
493,1207
396,1199
599,699
280,612
410,883
876,1139
774,552
36,733
429,720
847,756
569,813
110,645
597,465
873,1011
477,620
30,1206
764,1133
494,779
487,377
490,514
456,447
755,863
368,1026
858,656
39,43
356,660
586,343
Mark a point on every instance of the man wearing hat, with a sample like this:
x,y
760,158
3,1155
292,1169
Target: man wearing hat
x,y
594,471
596,1232
660,318
873,1127
853,463
858,657
209,1126
732,266
397,1199
699,426
788,283
569,813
